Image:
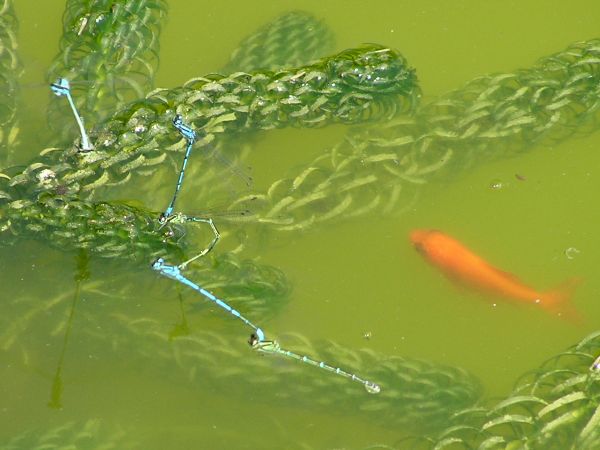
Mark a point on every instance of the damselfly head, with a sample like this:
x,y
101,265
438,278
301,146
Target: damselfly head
x,y
156,265
172,229
257,340
163,219
253,341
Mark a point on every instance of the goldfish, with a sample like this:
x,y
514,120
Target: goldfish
x,y
465,267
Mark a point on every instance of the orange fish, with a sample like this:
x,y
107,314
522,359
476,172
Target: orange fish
x,y
462,265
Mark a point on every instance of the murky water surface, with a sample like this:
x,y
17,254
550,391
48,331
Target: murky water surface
x,y
357,282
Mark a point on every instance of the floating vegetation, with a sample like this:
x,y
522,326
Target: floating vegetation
x,y
10,70
412,391
291,40
109,52
110,60
379,168
261,290
353,86
554,407
88,435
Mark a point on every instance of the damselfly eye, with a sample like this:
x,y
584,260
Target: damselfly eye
x,y
253,340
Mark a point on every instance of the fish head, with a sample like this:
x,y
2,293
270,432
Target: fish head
x,y
419,238
426,242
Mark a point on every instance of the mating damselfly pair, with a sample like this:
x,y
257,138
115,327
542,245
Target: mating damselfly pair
x,y
257,340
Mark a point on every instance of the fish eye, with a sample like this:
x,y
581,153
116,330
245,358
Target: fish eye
x,y
419,247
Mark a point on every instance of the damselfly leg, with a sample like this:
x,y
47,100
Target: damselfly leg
x,y
182,219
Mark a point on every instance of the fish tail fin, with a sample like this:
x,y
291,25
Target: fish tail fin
x,y
558,301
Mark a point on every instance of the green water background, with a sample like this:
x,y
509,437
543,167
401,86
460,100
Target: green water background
x,y
350,278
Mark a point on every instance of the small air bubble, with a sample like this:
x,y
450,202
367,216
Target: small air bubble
x,y
571,252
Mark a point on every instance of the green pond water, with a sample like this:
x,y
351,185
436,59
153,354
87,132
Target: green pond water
x,y
357,282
